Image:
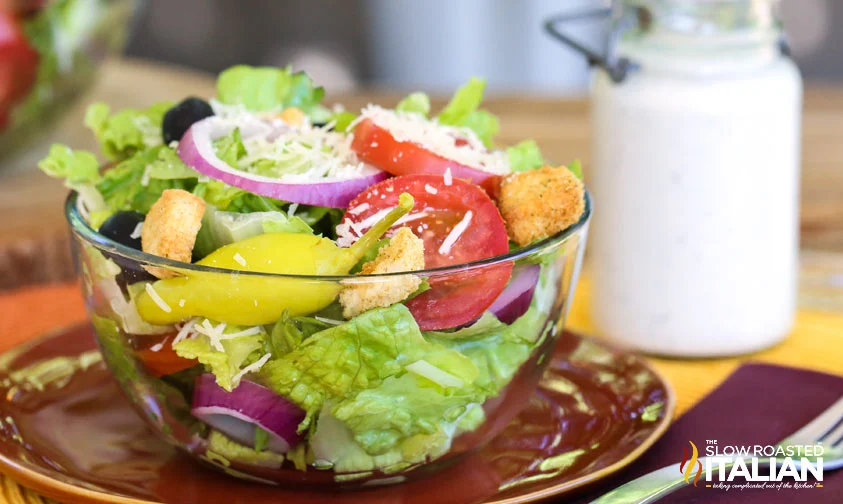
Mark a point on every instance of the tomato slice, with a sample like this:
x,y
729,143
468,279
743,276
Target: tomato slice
x,y
18,63
377,146
453,299
161,360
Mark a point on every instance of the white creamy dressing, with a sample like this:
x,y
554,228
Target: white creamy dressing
x,y
696,192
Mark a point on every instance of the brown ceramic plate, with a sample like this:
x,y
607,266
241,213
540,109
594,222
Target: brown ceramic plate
x,y
67,432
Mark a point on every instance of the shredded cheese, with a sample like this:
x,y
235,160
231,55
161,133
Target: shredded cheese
x,y
303,153
291,210
214,334
447,177
359,209
157,299
181,303
439,139
430,189
245,332
156,347
185,332
136,233
145,177
251,368
239,259
328,321
455,234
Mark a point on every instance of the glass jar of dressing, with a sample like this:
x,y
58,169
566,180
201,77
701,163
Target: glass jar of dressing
x,y
695,177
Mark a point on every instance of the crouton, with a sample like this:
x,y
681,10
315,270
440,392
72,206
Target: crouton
x,y
171,227
540,203
292,116
405,252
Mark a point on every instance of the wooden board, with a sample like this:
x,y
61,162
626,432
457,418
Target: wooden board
x,y
33,235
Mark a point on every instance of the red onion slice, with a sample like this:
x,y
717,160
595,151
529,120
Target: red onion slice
x,y
237,413
196,149
516,297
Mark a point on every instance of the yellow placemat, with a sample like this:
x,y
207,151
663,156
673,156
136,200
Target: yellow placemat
x,y
816,343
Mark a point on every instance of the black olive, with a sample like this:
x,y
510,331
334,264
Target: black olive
x,y
121,226
178,119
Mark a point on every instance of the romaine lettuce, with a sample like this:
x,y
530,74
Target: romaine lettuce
x,y
128,131
262,89
401,411
341,361
223,228
138,181
75,166
463,111
416,103
220,444
525,156
239,352
498,350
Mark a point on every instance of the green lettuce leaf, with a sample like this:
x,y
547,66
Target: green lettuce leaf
x,y
576,167
334,442
402,408
76,167
357,355
233,199
262,89
239,353
229,449
465,102
128,131
223,228
417,103
230,148
342,120
136,183
525,156
289,332
498,350
463,111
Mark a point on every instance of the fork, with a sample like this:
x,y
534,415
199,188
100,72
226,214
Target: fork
x,y
825,429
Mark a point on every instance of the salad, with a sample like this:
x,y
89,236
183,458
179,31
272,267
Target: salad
x,y
382,363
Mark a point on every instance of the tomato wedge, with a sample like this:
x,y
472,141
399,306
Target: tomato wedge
x,y
377,146
454,299
163,360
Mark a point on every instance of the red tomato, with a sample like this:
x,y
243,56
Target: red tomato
x,y
165,361
18,63
378,147
454,299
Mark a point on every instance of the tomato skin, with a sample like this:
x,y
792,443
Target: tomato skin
x,y
18,64
165,361
378,147
458,298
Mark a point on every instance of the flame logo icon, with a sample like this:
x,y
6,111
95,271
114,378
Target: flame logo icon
x,y
689,464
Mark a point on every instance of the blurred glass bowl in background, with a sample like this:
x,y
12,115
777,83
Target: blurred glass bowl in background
x,y
50,51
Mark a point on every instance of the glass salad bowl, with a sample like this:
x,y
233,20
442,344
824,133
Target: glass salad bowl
x,y
51,51
426,398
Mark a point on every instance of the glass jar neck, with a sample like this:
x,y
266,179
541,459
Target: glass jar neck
x,y
699,32
689,22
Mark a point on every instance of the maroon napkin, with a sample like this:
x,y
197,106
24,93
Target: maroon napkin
x,y
757,404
